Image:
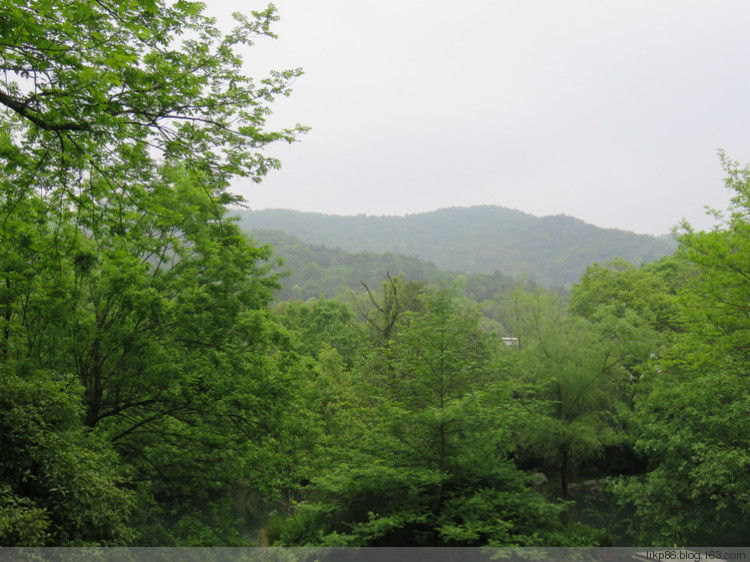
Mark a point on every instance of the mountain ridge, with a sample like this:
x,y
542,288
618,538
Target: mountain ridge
x,y
444,209
553,250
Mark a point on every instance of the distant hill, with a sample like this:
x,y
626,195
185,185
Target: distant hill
x,y
552,251
315,270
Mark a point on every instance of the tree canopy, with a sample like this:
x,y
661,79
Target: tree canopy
x,y
692,411
107,87
123,275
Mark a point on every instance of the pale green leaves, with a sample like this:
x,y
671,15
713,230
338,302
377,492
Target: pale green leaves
x,y
91,76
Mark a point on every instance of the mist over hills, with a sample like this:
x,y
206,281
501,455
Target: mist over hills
x,y
552,250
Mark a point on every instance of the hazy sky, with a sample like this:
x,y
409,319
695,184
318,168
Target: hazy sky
x,y
607,110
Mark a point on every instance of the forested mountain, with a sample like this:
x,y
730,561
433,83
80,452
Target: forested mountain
x,y
312,270
552,250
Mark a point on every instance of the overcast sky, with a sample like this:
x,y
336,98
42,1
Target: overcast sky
x,y
606,110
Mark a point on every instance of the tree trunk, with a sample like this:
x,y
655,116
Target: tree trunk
x,y
564,460
93,382
7,316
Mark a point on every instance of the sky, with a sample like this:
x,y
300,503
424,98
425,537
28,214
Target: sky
x,y
610,111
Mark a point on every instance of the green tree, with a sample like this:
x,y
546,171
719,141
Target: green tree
x,y
319,323
692,412
432,465
381,312
122,126
624,289
94,86
580,368
166,330
59,484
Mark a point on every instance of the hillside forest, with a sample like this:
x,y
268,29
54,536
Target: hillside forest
x,y
157,388
553,251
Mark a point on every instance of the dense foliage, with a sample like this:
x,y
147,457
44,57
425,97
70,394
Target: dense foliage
x,y
425,455
156,387
691,412
144,381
